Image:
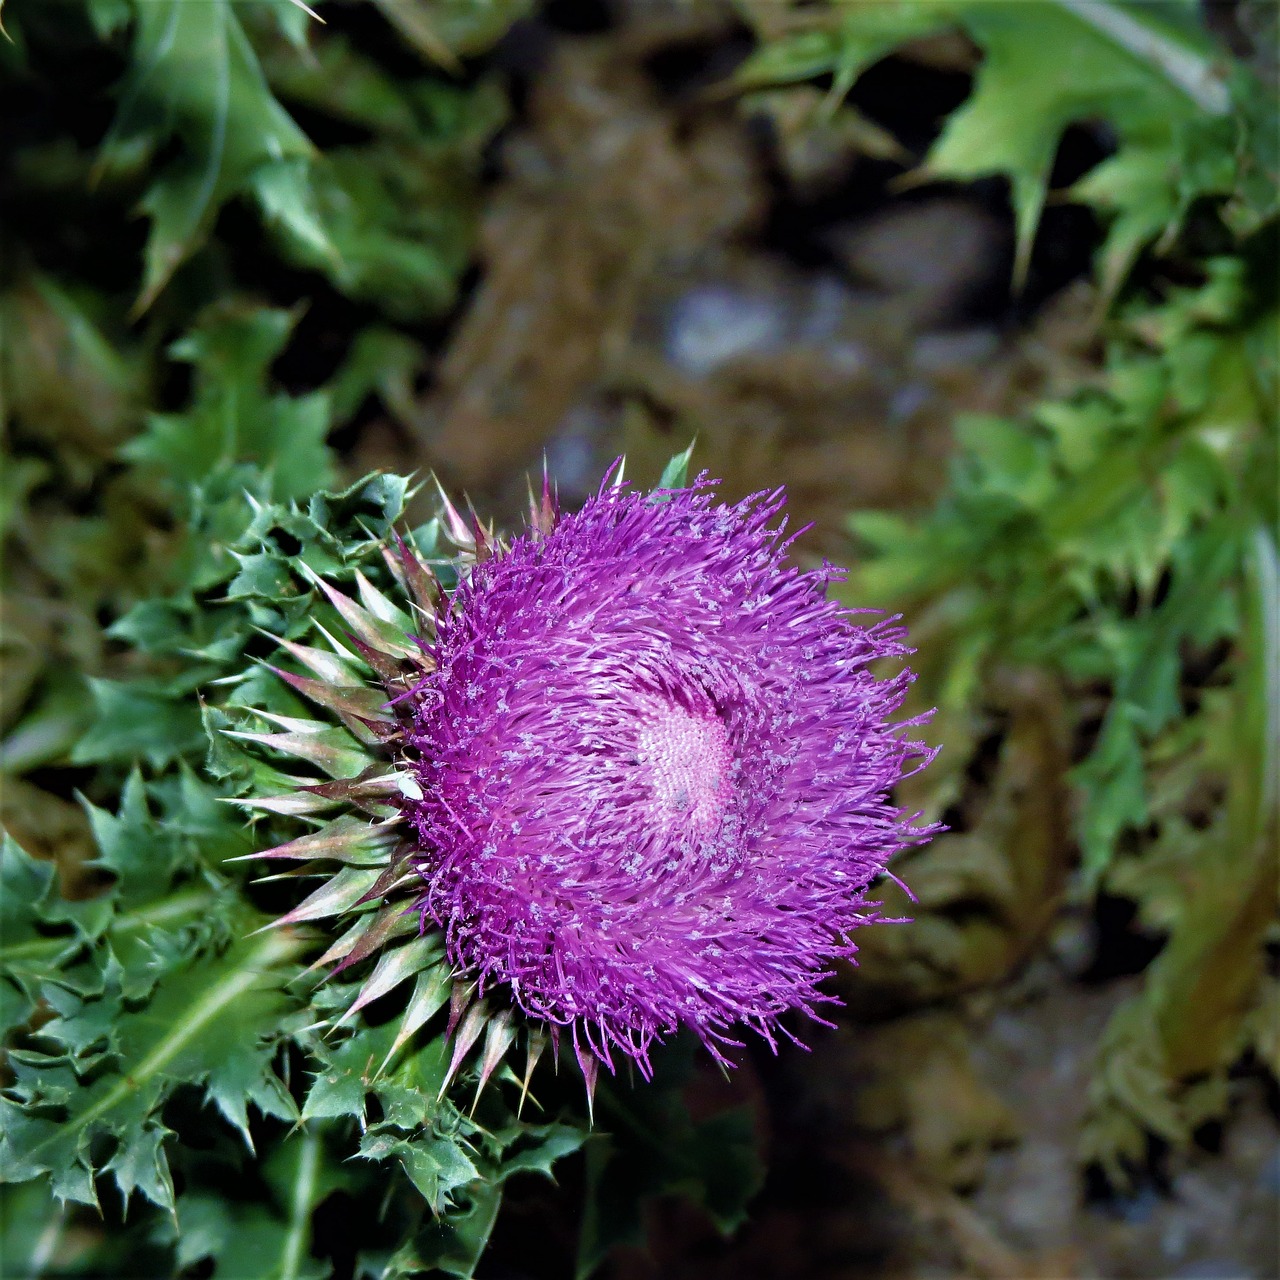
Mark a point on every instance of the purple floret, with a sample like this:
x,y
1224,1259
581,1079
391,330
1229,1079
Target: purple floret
x,y
655,771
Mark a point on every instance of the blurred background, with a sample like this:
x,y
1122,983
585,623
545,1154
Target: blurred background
x,y
990,287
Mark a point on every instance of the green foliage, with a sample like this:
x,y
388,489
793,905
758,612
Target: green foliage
x,y
1108,540
193,73
145,986
232,416
202,123
1150,71
1117,543
394,215
1053,547
388,220
675,474
202,130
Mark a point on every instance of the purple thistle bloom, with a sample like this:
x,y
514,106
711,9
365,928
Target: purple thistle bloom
x,y
655,771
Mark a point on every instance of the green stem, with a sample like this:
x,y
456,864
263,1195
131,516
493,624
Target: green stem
x,y
1196,76
304,1191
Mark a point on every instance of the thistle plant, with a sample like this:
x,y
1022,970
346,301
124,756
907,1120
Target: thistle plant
x,y
344,1013
630,772
368,820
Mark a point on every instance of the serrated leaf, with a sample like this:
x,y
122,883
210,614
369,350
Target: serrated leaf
x,y
263,575
1156,81
285,193
142,854
153,626
33,949
212,1024
842,46
349,1069
445,32
140,1165
382,362
453,1243
406,253
437,1165
341,1085
137,721
234,416
540,1147
195,73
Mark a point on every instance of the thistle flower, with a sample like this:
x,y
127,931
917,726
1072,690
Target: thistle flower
x,y
637,776
655,771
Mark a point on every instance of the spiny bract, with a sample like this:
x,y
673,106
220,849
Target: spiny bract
x,y
655,768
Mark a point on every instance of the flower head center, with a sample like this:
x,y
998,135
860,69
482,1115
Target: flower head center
x,y
686,755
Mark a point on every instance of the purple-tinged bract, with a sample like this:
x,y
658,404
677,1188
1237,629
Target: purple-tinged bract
x,y
655,771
